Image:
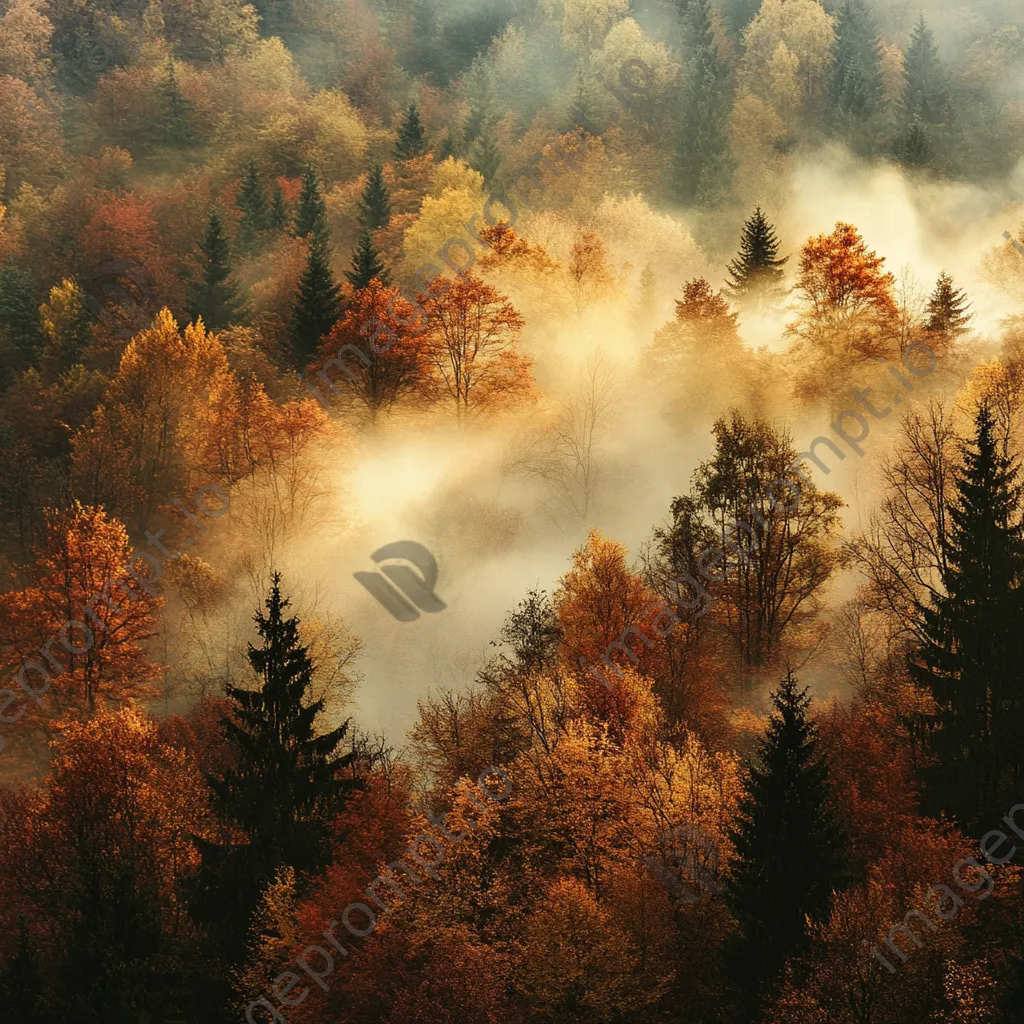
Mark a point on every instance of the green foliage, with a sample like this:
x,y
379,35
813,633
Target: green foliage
x,y
971,655
375,203
277,219
311,215
215,297
252,201
412,139
856,90
757,272
173,124
19,317
317,304
948,309
926,86
790,848
367,264
486,156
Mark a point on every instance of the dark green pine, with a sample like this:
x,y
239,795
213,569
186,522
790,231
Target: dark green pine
x,y
756,272
375,203
367,264
790,848
856,88
486,156
412,139
702,147
926,88
19,316
175,110
215,297
317,302
948,309
277,219
972,650
312,211
252,201
913,147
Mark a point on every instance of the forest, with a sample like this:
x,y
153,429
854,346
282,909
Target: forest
x,y
511,511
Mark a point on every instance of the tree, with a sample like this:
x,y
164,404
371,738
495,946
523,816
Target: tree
x,y
311,215
757,270
472,330
703,144
65,326
252,201
774,533
286,787
486,156
367,264
790,847
215,297
378,347
856,87
317,303
925,90
19,315
173,126
973,646
277,219
375,203
948,310
739,14
412,139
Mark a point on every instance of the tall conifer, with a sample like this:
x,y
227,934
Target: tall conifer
x,y
757,272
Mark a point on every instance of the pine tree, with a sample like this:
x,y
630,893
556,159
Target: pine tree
x,y
277,220
412,139
706,100
173,126
252,201
318,300
757,270
948,309
215,297
312,212
913,147
486,157
582,109
739,14
375,204
856,89
972,650
790,847
19,316
925,90
367,264
286,787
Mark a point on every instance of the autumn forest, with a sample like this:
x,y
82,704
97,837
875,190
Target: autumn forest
x,y
511,511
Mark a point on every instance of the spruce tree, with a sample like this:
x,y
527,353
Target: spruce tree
x,y
790,848
287,784
856,89
972,648
914,147
318,299
367,264
277,219
739,14
312,212
925,89
375,203
174,123
757,272
486,157
19,316
412,139
252,201
215,297
948,309
702,145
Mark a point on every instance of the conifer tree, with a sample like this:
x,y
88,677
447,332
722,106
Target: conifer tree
x,y
757,272
913,147
312,212
19,318
703,144
582,109
486,157
174,122
277,219
318,299
925,89
367,264
856,90
215,297
375,203
286,786
739,14
412,139
790,847
252,201
948,309
972,651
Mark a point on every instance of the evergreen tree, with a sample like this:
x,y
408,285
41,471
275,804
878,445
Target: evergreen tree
x,y
286,787
312,212
948,309
412,139
174,122
913,147
582,109
856,90
486,157
972,650
739,14
19,317
448,148
252,201
215,297
703,144
277,220
925,89
375,204
317,303
757,270
790,848
367,264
